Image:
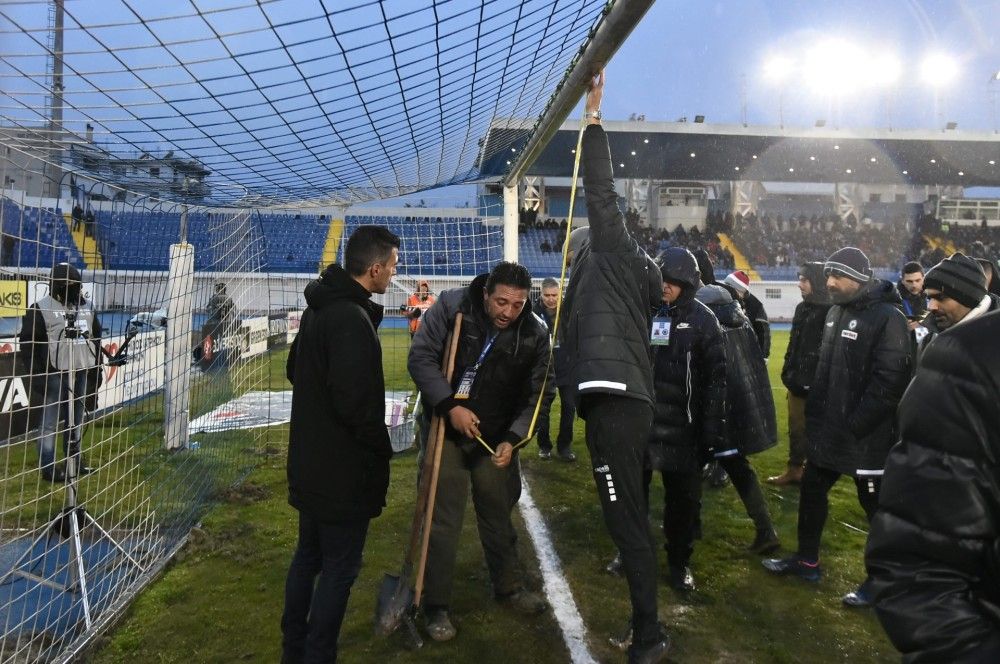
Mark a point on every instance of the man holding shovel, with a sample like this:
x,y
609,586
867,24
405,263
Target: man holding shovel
x,y
338,446
489,406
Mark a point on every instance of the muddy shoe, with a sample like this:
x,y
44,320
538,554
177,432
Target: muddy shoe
x,y
525,601
439,627
766,541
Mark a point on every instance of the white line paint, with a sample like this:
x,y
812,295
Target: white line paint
x,y
554,582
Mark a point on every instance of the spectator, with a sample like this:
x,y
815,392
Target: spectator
x,y
545,306
77,215
956,293
863,369
545,247
338,444
932,552
799,368
8,249
88,223
417,305
500,371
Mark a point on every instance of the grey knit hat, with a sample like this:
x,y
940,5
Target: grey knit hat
x,y
849,262
960,278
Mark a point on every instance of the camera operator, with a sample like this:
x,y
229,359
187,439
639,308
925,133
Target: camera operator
x,y
60,345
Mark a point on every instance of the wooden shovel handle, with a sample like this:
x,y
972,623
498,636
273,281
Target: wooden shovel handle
x,y
436,470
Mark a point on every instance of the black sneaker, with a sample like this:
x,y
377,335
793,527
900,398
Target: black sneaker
x,y
651,652
54,473
681,579
567,456
718,478
857,598
621,641
615,566
796,566
545,455
765,542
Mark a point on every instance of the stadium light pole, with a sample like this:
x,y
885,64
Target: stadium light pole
x,y
616,25
777,70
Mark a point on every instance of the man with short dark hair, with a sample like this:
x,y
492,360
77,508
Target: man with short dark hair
x,y
545,306
338,444
499,375
864,366
613,289
911,292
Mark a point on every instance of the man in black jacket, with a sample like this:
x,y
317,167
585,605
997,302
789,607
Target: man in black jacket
x,y
545,307
956,294
613,290
689,374
864,367
911,292
500,374
800,365
933,552
739,282
338,445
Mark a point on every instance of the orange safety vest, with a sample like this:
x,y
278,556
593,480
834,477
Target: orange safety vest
x,y
414,301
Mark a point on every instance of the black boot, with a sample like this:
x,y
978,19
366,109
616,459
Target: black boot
x,y
765,542
650,652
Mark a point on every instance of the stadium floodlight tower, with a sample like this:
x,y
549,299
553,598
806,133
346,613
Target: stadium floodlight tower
x,y
618,22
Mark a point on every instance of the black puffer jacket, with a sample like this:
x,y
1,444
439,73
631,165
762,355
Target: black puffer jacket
x,y
690,378
506,389
754,310
338,446
613,289
934,550
751,424
864,367
802,354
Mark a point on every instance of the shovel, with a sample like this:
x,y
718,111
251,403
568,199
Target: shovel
x,y
397,600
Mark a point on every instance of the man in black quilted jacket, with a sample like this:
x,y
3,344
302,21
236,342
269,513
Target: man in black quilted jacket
x,y
611,295
864,367
934,549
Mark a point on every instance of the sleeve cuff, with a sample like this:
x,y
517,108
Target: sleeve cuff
x,y
445,406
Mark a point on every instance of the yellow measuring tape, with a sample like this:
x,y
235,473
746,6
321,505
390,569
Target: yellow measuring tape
x,y
562,281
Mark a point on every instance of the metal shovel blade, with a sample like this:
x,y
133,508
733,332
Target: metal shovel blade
x,y
395,597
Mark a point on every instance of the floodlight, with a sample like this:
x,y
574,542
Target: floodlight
x,y
834,62
883,70
951,126
938,69
699,119
778,68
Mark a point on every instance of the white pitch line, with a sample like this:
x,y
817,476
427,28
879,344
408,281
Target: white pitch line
x,y
554,582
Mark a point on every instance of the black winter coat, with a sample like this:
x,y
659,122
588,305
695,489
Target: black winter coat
x,y
754,310
690,379
613,289
802,354
912,306
751,423
338,445
511,377
864,367
934,550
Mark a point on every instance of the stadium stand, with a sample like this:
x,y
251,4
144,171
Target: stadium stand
x,y
43,238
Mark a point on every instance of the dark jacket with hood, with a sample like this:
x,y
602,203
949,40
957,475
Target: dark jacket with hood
x,y
511,377
751,424
807,333
933,554
988,304
912,306
864,366
752,307
338,445
613,289
689,374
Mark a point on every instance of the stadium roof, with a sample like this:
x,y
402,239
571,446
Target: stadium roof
x,y
701,152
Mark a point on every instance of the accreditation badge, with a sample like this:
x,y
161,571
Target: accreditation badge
x,y
660,333
465,385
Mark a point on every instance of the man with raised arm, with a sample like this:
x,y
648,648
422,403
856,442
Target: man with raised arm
x,y
613,289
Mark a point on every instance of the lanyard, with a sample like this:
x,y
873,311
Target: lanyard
x,y
486,351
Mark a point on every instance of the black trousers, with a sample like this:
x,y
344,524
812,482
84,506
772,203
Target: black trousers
x,y
681,513
315,607
617,433
747,485
567,414
814,504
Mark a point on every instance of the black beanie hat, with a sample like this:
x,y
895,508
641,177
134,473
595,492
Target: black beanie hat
x,y
849,262
960,278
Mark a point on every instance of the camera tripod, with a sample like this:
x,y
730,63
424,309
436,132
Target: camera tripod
x,y
69,524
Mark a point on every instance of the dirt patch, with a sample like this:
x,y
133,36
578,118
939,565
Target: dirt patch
x,y
245,494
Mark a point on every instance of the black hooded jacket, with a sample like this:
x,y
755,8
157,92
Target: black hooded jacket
x,y
933,554
864,366
338,445
754,310
690,378
807,333
613,289
511,377
751,423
